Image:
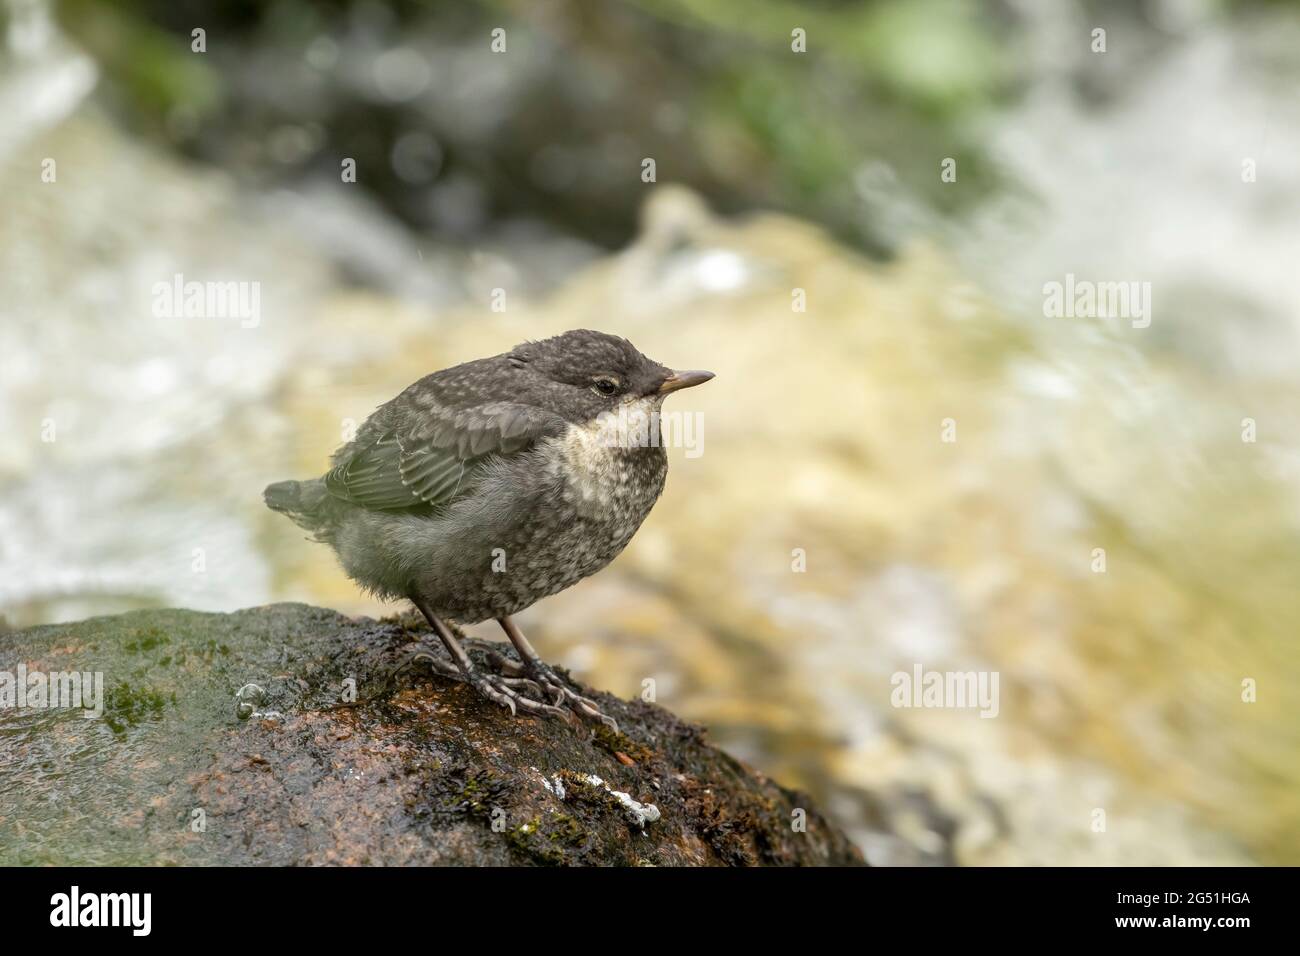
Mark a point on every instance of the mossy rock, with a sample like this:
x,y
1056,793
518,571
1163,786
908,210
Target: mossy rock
x,y
345,758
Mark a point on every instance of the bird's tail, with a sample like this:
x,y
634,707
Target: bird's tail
x,y
306,502
287,496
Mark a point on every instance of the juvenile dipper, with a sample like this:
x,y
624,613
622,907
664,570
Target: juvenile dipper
x,y
485,487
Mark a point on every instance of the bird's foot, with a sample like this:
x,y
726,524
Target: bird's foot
x,y
543,676
520,687
510,692
424,654
516,693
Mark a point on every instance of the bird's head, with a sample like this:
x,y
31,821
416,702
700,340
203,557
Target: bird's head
x,y
586,374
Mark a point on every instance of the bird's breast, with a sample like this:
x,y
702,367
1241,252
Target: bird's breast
x,y
614,465
555,515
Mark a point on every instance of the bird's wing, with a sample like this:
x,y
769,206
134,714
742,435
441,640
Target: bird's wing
x,y
426,455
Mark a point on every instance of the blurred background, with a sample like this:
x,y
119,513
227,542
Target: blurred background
x,y
133,448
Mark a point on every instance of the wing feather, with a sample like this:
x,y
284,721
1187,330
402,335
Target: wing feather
x,y
425,455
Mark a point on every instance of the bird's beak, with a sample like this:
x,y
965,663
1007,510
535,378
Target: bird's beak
x,y
685,379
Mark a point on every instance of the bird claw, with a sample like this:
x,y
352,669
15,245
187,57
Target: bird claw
x,y
510,702
505,691
520,688
542,674
504,665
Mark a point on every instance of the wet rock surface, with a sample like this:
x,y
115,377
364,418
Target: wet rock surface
x,y
411,769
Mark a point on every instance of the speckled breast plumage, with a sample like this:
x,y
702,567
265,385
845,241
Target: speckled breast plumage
x,y
597,501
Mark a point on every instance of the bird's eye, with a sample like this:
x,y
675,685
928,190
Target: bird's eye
x,y
606,386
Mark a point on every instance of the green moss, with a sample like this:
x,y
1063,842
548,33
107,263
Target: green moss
x,y
146,640
579,791
126,706
528,839
551,840
474,792
616,742
565,829
728,830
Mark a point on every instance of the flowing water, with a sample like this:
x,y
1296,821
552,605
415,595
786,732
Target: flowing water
x,y
133,448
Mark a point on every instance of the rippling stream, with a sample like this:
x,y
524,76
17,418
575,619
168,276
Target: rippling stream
x,y
133,448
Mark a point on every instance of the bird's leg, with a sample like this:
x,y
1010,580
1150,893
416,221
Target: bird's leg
x,y
543,674
498,689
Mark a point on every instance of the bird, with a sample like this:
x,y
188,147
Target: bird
x,y
483,488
